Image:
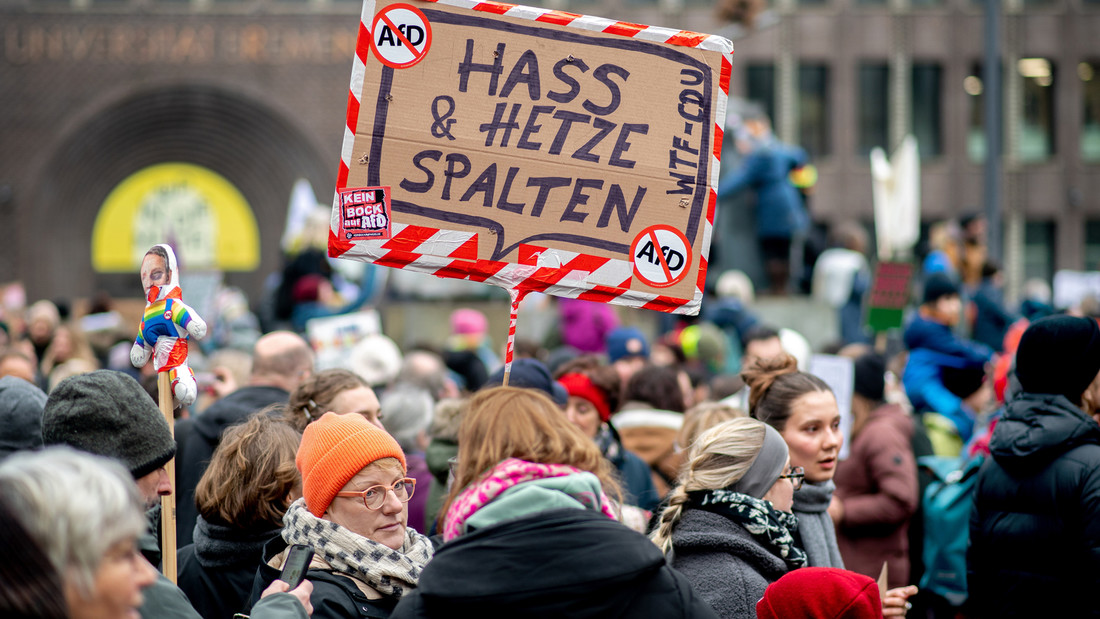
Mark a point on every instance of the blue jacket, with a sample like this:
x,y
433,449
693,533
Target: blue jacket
x,y
779,209
634,473
933,346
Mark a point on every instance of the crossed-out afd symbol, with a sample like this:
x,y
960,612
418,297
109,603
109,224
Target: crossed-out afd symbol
x,y
400,36
661,256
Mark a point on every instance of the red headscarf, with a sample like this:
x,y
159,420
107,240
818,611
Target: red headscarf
x,y
579,385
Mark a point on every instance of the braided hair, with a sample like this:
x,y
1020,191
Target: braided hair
x,y
717,459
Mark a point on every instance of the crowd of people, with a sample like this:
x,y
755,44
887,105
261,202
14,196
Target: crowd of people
x,y
704,472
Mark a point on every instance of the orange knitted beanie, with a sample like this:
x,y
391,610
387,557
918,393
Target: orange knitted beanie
x,y
334,449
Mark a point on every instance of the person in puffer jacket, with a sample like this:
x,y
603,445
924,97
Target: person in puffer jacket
x,y
932,347
1035,529
530,531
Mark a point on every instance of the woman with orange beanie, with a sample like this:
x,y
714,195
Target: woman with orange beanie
x,y
353,514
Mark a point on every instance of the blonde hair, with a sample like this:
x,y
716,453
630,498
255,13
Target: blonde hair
x,y
507,422
719,458
702,417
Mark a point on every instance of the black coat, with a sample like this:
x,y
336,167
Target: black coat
x,y
334,596
196,439
1035,528
560,563
217,571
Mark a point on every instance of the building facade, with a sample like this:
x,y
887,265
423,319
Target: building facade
x,y
229,102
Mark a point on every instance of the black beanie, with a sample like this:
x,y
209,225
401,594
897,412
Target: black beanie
x,y
1059,355
107,413
937,286
870,376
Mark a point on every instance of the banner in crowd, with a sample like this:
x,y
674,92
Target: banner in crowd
x,y
533,149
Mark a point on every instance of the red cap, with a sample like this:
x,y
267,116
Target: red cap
x,y
821,593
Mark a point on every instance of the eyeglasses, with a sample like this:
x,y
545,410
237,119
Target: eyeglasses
x,y
797,475
375,496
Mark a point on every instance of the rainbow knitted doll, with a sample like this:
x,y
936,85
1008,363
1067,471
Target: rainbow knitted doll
x,y
166,324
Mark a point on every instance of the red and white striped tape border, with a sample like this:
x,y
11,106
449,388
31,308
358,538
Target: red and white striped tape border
x,y
453,253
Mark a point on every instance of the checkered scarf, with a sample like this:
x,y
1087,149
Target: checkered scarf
x,y
391,572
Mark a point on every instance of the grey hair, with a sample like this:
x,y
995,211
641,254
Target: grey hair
x,y
406,412
76,505
718,458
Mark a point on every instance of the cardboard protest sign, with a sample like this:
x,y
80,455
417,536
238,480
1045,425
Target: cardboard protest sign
x,y
533,149
889,295
1070,287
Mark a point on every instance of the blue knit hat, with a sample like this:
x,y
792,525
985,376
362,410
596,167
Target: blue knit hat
x,y
626,342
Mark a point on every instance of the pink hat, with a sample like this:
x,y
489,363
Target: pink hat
x,y
468,321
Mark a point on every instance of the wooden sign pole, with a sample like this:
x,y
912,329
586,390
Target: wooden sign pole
x,y
168,503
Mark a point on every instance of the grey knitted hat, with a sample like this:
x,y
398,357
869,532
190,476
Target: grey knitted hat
x,y
108,413
21,406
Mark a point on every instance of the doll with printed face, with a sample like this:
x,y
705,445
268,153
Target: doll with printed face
x,y
166,324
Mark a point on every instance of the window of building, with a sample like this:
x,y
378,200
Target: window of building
x,y
1037,126
813,108
927,109
1029,3
974,87
1092,245
1089,72
874,106
760,86
1039,250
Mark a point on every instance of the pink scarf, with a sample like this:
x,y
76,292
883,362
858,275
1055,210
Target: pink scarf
x,y
501,477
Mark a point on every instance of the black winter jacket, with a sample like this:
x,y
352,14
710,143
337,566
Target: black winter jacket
x,y
334,596
1035,529
559,563
196,439
217,571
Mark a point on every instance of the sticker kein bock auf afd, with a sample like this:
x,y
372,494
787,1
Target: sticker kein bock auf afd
x,y
364,213
537,150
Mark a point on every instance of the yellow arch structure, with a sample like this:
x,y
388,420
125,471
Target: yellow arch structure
x,y
199,212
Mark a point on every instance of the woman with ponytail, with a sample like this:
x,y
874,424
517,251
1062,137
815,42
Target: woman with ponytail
x,y
728,525
804,411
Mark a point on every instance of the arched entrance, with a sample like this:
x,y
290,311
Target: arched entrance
x,y
257,154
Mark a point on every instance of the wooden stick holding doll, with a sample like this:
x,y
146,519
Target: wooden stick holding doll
x,y
166,325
